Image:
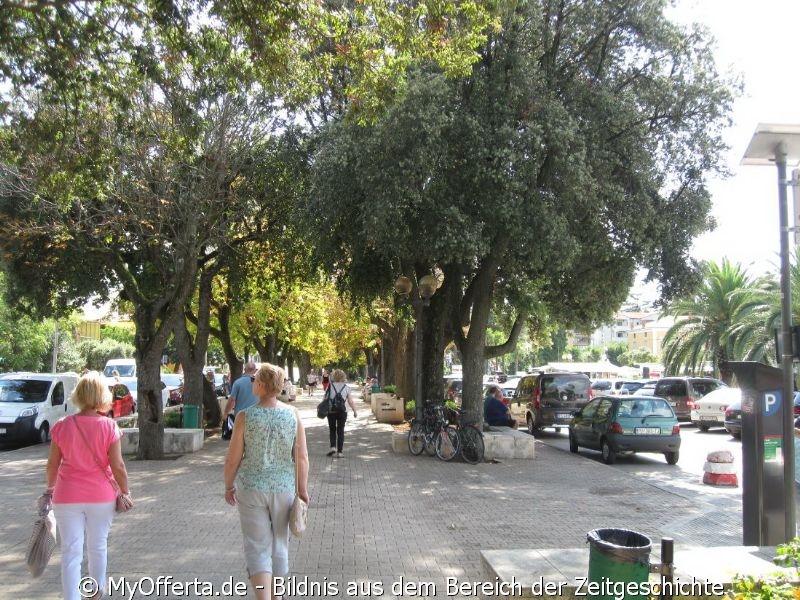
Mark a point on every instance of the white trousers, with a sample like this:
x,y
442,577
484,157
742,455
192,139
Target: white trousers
x,y
73,521
265,530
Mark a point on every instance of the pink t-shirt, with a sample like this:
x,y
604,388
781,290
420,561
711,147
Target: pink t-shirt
x,y
79,476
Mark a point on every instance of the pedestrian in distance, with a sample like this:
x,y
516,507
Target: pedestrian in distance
x,y
338,394
242,394
85,457
311,379
267,462
326,380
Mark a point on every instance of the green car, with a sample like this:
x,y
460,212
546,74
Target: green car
x,y
613,424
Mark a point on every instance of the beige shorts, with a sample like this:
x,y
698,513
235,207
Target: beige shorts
x,y
265,530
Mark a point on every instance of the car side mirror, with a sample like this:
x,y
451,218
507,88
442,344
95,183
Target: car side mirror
x,y
577,413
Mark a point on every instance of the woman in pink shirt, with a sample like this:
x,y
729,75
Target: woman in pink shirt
x,y
85,454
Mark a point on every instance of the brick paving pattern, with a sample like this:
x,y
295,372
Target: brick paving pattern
x,y
375,516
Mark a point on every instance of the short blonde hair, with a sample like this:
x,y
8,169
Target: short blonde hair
x,y
91,392
338,375
271,377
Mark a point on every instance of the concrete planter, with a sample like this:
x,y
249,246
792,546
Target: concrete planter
x,y
388,408
176,441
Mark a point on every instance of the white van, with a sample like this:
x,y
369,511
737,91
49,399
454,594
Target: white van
x,y
30,403
125,367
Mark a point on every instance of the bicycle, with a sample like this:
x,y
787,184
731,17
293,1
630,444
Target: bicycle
x,y
471,443
434,434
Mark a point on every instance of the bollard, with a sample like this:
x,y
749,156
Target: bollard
x,y
719,470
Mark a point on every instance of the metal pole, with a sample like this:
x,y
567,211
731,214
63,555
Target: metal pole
x,y
787,442
667,568
419,402
55,348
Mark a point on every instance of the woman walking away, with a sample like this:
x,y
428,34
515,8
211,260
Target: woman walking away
x,y
338,393
85,457
261,479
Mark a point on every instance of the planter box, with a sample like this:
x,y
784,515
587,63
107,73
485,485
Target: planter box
x,y
388,408
176,441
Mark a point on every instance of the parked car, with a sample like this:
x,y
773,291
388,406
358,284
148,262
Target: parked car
x,y
709,411
549,399
615,424
601,386
683,392
627,388
733,419
123,402
647,389
173,383
30,403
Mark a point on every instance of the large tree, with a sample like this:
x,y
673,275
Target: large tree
x,y
576,151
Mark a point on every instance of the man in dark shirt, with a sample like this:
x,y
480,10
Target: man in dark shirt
x,y
495,412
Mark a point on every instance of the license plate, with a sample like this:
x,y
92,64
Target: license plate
x,y
2,431
712,419
563,416
647,431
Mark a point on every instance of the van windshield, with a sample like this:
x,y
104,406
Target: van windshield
x,y
122,370
23,390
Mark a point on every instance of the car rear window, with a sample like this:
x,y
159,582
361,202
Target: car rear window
x,y
701,388
651,407
671,388
553,384
601,385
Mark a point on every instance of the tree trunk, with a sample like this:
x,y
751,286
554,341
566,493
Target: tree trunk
x,y
223,334
192,352
303,366
149,342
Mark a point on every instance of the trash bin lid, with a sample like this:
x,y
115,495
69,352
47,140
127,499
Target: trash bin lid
x,y
624,544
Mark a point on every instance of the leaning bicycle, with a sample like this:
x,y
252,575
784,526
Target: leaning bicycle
x,y
471,443
434,434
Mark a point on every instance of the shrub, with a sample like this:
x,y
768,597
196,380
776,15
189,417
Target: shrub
x,y
410,409
771,587
389,389
172,419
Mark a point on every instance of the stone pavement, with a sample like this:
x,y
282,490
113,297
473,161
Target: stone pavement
x,y
375,516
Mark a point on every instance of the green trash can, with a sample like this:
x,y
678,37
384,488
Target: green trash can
x,y
618,558
190,414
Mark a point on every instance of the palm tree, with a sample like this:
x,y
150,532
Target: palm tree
x,y
706,326
757,326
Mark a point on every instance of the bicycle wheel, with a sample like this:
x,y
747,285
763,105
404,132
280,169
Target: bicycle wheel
x,y
447,444
472,447
416,439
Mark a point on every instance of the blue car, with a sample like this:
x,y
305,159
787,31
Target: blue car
x,y
613,424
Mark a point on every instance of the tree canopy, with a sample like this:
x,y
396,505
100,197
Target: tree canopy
x,y
576,151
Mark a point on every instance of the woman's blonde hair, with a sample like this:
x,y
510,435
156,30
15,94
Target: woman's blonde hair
x,y
271,377
91,392
338,375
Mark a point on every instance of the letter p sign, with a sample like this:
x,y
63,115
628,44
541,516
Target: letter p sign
x,y
772,402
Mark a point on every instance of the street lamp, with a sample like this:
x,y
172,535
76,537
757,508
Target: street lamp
x,y
774,144
419,297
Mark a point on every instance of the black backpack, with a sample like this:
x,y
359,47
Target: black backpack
x,y
337,401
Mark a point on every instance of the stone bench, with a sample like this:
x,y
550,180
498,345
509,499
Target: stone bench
x,y
560,573
498,442
176,441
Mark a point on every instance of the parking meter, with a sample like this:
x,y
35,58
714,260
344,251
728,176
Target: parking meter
x,y
763,498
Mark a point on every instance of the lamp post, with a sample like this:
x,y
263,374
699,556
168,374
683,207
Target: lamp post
x,y
774,144
419,296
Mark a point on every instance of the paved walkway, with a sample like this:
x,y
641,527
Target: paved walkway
x,y
375,516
